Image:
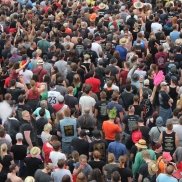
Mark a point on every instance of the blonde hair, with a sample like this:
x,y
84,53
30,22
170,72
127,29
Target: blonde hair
x,y
29,179
24,113
59,116
39,51
4,149
76,80
111,157
81,177
96,154
121,161
47,127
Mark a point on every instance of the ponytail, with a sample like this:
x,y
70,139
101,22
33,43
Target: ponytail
x,y
3,150
33,86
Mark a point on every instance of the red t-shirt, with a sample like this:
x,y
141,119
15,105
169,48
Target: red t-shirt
x,y
41,73
47,148
123,75
160,59
7,82
58,107
95,84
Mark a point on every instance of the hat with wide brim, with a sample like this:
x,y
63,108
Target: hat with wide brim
x,y
152,167
138,4
35,151
141,144
123,41
102,6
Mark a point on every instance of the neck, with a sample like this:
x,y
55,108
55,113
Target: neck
x,y
19,143
135,103
13,173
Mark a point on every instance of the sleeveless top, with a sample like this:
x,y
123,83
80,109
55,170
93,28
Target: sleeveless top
x,y
168,142
151,124
32,96
173,94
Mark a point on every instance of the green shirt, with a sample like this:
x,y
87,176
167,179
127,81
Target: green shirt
x,y
43,45
139,161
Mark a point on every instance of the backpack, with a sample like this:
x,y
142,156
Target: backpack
x,y
19,113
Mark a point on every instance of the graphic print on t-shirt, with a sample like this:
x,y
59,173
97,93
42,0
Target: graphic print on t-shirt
x,y
101,148
69,130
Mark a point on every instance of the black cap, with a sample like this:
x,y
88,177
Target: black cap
x,y
96,134
83,133
52,85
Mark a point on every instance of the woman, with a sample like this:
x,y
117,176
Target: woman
x,y
148,60
135,31
45,135
47,81
96,176
86,65
151,121
71,162
33,95
96,162
92,27
59,116
35,77
173,91
157,148
29,179
81,177
154,68
54,71
133,61
108,167
166,44
126,175
117,56
168,28
5,160
77,85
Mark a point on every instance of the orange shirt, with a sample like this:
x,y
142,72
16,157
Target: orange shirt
x,y
161,165
110,129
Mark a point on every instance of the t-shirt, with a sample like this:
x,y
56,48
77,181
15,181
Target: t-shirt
x,y
58,174
6,162
164,99
130,121
53,97
127,99
55,156
124,173
95,84
123,76
40,125
119,108
15,93
163,177
41,176
47,113
71,164
139,50
43,45
40,72
138,109
71,101
145,132
19,151
97,164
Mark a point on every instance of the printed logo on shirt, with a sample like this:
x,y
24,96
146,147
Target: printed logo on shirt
x,y
69,130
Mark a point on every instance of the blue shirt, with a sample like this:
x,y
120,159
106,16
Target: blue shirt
x,y
47,113
122,51
163,177
118,149
142,43
174,36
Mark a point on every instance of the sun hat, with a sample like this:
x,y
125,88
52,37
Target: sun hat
x,y
152,167
141,144
102,6
40,62
35,151
93,17
167,156
122,41
159,121
138,5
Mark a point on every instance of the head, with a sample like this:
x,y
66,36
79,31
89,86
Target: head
x,y
116,177
26,115
81,177
96,175
121,161
169,169
66,178
131,109
96,154
14,168
166,157
146,155
83,159
169,125
157,148
47,127
61,163
117,137
57,146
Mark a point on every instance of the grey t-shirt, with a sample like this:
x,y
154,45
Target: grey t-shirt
x,y
155,132
47,67
58,174
178,153
178,128
87,169
61,89
42,177
62,67
174,121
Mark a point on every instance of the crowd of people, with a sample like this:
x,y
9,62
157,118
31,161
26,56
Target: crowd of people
x,y
90,91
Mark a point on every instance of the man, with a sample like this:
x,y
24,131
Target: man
x,y
117,148
3,139
67,41
149,169
87,101
124,73
43,44
60,106
43,174
48,147
27,129
53,95
58,174
141,145
174,119
80,144
14,169
95,82
40,71
22,106
62,65
96,145
70,75
83,167
177,128
113,69
31,49
86,121
68,128
155,26
60,87
47,66
131,21
165,102
174,34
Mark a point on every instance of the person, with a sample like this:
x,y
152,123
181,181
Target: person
x,y
45,135
13,171
149,169
176,128
71,162
56,154
43,44
157,148
117,148
82,166
58,174
174,119
96,175
43,175
3,138
168,176
115,177
68,128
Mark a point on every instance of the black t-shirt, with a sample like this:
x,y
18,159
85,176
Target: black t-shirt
x,y
134,89
71,164
70,76
13,24
29,52
164,99
71,101
129,121
139,50
25,107
124,173
40,125
19,151
84,32
127,99
97,164
147,107
32,165
6,162
178,58
138,109
80,145
114,70
145,132
101,146
15,93
133,151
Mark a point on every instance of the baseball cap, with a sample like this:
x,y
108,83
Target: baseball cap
x,y
83,133
136,136
96,134
12,30
163,84
19,136
159,121
167,156
146,82
60,98
52,85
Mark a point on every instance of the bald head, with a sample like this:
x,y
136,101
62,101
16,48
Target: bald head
x,y
87,110
67,38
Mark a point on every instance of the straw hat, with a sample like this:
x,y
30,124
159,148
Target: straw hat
x,y
123,41
138,4
35,151
141,144
102,6
152,167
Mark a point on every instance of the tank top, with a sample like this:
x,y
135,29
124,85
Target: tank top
x,y
32,96
173,94
151,124
168,142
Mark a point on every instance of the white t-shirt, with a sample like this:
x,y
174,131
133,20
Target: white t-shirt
x,y
55,156
140,73
114,87
53,97
155,27
95,47
87,101
27,76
